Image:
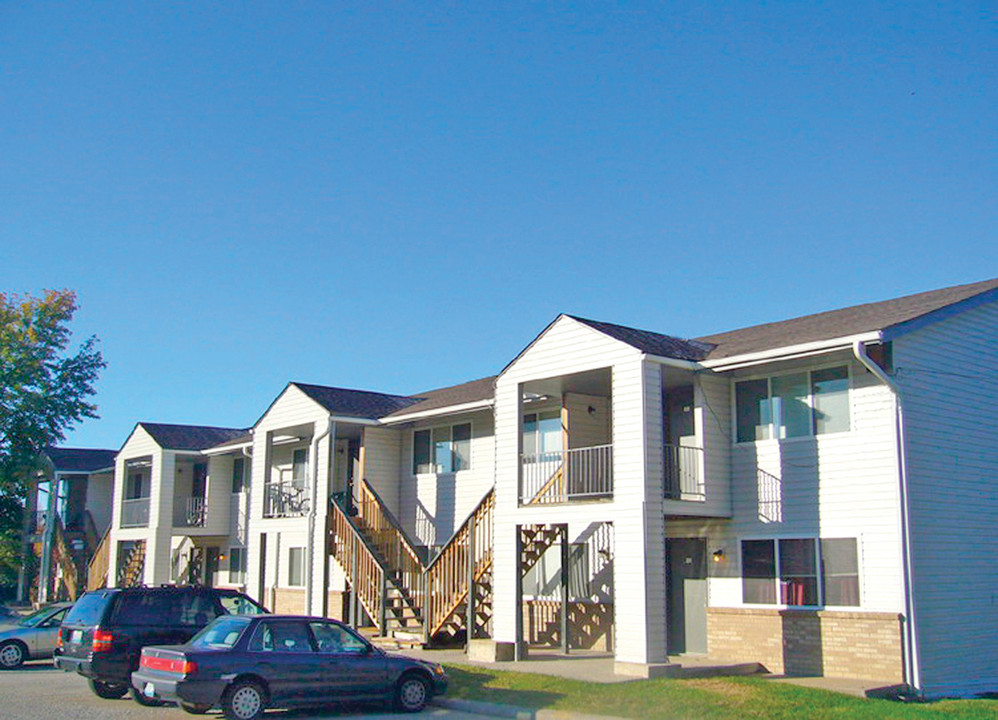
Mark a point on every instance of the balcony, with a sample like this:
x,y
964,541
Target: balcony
x,y
135,512
578,475
189,512
284,499
683,475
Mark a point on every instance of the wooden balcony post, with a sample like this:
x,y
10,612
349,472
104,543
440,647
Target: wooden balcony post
x,y
383,619
564,588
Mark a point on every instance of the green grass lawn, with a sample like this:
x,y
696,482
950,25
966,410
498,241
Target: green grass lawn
x,y
695,699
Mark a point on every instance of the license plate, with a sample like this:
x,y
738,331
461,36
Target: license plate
x,y
76,637
149,690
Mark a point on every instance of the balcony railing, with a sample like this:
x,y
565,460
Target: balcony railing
x,y
135,512
189,512
683,476
567,475
284,499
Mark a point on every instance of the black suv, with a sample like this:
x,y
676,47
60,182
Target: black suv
x,y
103,635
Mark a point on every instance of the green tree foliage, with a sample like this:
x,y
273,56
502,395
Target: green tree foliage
x,y
44,391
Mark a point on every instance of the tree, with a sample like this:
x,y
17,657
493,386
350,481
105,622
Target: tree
x,y
44,391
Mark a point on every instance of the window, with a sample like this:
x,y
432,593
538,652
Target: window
x,y
280,637
840,572
798,572
793,405
792,566
758,572
542,435
299,464
442,449
237,565
296,567
330,638
238,475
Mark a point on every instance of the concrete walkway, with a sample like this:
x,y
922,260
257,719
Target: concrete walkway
x,y
594,667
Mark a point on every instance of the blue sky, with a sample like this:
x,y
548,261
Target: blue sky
x,y
400,196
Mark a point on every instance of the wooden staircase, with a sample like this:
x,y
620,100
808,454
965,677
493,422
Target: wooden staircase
x,y
98,567
131,570
536,539
410,601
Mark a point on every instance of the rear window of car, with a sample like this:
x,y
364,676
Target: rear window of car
x,y
89,609
240,605
223,633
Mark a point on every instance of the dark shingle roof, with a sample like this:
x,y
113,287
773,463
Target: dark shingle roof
x,y
651,342
236,441
80,459
190,437
468,392
355,403
840,323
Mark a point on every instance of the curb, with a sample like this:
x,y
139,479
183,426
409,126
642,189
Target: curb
x,y
512,711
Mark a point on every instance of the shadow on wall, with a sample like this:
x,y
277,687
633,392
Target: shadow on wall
x,y
802,645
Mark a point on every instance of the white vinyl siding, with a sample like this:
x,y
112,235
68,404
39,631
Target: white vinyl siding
x,y
948,376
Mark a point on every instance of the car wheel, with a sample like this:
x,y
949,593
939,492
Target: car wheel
x,y
411,693
11,655
108,690
194,709
244,700
142,699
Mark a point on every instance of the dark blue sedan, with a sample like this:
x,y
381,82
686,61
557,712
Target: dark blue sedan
x,y
246,664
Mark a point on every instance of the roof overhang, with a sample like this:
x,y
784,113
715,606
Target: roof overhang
x,y
439,412
790,352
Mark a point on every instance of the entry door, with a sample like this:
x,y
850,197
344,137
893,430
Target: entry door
x,y
211,566
687,595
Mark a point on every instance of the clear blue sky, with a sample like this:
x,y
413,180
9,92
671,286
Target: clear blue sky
x,y
399,196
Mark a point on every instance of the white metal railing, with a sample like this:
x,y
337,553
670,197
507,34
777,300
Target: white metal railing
x,y
284,499
683,475
135,512
567,475
189,512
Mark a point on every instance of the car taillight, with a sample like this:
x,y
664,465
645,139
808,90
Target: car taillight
x,y
102,640
184,667
58,638
188,667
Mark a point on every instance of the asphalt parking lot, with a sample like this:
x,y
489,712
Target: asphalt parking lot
x,y
38,691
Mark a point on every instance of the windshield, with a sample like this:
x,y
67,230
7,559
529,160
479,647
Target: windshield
x,y
224,632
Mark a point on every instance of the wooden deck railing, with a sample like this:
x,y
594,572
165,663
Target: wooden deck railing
x,y
447,576
366,576
388,537
98,566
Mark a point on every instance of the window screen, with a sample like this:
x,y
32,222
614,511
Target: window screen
x,y
840,571
758,572
798,572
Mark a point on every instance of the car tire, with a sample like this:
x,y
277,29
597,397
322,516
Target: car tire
x,y
411,693
141,699
244,700
108,690
194,709
12,655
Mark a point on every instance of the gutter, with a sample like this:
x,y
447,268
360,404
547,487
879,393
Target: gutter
x,y
310,551
789,352
912,669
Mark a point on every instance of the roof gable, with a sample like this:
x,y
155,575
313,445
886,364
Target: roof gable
x,y
651,342
355,403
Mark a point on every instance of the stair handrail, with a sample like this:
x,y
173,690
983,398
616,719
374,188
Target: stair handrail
x,y
360,563
416,550
392,541
98,566
446,576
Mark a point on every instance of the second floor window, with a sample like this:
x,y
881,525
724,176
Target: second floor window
x,y
299,464
442,449
793,405
238,475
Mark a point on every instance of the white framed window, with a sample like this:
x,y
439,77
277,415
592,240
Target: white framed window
x,y
239,475
296,567
542,436
299,467
800,572
237,565
442,449
800,404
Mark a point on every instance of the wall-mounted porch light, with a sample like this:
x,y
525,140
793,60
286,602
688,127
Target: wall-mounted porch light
x,y
719,555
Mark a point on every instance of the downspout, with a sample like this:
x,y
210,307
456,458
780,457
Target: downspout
x,y
911,665
313,504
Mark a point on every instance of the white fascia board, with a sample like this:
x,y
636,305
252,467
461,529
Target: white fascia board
x,y
437,412
790,352
673,362
227,449
343,420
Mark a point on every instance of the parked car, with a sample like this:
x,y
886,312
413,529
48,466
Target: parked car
x,y
247,664
103,635
30,637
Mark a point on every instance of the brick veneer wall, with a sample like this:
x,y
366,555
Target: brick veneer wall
x,y
291,601
863,645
